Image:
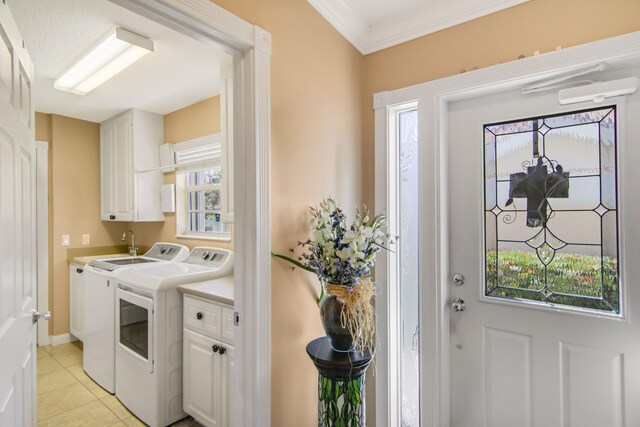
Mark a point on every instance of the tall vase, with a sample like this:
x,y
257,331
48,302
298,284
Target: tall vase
x,y
330,313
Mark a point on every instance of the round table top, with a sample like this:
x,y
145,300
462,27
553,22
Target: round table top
x,y
337,364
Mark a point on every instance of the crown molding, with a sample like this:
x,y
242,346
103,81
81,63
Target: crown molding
x,y
372,37
345,20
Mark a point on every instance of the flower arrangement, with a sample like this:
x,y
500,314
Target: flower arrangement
x,y
342,256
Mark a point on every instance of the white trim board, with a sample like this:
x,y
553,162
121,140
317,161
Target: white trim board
x,y
250,47
433,99
42,236
369,37
61,339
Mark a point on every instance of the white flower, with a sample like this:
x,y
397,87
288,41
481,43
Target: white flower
x,y
367,232
345,253
349,236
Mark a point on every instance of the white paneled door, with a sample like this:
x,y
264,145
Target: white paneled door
x,y
17,229
545,328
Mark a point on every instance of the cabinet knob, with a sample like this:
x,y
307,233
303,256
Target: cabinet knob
x,y
215,348
79,270
112,217
222,350
199,315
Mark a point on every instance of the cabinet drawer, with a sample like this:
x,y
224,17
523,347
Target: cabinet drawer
x,y
228,326
204,317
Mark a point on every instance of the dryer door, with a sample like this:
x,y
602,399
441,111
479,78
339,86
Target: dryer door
x,y
134,331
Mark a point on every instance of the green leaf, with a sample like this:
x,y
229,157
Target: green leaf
x,y
294,262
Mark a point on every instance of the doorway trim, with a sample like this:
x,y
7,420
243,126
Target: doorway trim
x,y
433,99
250,47
42,236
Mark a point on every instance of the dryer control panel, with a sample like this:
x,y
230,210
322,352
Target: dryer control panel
x,y
217,258
167,251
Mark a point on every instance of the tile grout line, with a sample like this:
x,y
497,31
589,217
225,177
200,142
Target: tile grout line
x,y
64,412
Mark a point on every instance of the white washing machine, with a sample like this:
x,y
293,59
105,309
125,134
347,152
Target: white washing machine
x,y
98,359
149,332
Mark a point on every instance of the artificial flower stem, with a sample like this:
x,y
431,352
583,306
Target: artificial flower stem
x,y
294,262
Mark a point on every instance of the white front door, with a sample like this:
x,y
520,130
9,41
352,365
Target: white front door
x,y
17,229
543,209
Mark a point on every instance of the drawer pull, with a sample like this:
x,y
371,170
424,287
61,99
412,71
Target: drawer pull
x,y
199,315
215,348
112,217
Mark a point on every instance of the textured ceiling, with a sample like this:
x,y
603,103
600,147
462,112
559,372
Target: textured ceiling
x,y
180,72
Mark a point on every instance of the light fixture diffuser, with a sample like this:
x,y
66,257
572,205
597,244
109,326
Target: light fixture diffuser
x,y
112,55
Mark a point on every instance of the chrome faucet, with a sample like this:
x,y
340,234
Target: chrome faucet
x,y
133,251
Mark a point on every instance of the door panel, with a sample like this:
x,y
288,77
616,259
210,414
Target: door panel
x,y
17,228
515,363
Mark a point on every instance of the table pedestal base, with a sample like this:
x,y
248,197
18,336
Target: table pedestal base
x,y
340,384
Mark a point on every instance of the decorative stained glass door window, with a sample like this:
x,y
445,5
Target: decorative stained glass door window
x,y
551,222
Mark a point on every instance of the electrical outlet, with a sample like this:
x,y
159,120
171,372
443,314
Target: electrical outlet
x,y
65,240
86,239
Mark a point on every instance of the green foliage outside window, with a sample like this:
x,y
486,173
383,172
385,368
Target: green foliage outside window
x,y
573,279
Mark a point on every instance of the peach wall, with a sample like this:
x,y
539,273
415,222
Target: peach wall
x,y
316,78
74,183
196,120
539,25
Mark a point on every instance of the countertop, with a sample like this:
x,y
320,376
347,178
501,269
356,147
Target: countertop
x,y
84,260
218,290
84,255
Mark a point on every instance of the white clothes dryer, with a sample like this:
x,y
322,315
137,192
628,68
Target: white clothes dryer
x,y
149,332
98,359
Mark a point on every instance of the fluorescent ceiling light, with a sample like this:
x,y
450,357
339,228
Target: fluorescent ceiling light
x,y
112,55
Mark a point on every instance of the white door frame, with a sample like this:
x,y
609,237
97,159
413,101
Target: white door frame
x,y
42,233
251,50
433,99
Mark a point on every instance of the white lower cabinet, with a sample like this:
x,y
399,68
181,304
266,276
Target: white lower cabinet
x,y
76,300
208,363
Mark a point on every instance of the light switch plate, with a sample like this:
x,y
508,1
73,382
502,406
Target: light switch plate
x,y
86,239
65,240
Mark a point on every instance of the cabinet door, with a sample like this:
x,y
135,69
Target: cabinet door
x,y
122,169
206,379
76,293
107,153
116,182
228,378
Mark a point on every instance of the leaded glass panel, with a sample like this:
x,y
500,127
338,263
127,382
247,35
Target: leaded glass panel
x,y
408,256
551,232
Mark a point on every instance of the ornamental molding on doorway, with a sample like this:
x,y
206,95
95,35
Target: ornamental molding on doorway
x,y
250,47
432,99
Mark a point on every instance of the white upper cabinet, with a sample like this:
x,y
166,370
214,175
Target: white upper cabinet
x,y
129,145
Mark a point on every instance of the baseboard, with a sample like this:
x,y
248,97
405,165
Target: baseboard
x,y
62,339
44,341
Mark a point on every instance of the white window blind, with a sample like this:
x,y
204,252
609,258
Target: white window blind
x,y
201,153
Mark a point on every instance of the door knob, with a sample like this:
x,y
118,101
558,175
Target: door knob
x,y
222,350
215,348
458,279
37,315
457,304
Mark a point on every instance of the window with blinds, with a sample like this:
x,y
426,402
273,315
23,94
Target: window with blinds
x,y
199,182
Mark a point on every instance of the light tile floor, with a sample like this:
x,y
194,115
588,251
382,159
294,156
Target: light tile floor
x,y
68,397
